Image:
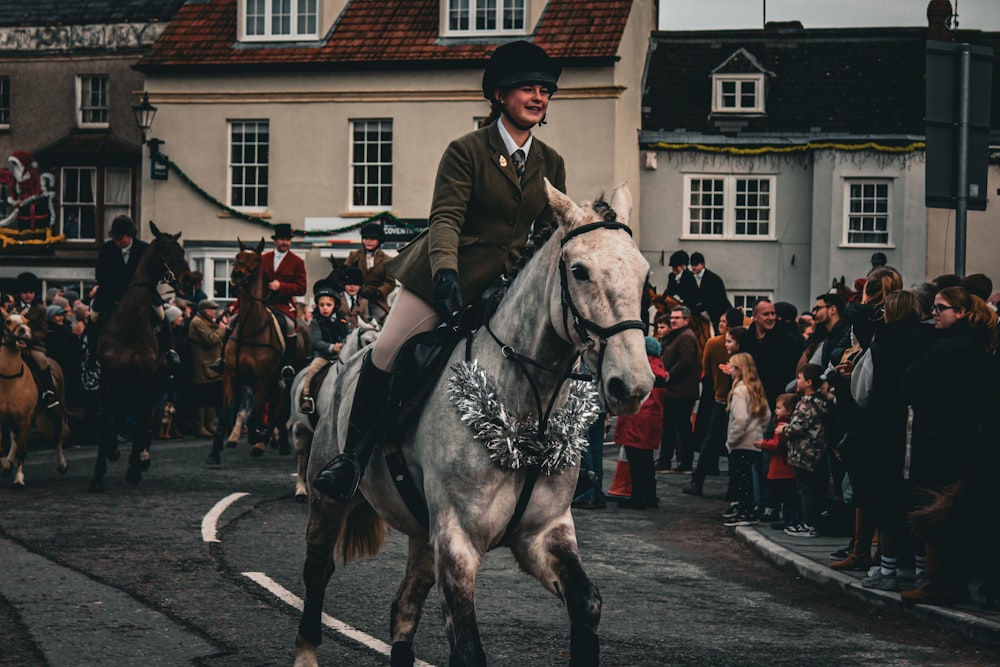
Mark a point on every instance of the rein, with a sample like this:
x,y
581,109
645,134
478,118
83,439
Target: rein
x,y
8,339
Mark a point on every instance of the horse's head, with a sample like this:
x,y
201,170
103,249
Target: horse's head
x,y
170,255
602,274
246,268
16,331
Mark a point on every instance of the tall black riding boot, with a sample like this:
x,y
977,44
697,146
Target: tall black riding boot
x,y
340,477
289,358
43,379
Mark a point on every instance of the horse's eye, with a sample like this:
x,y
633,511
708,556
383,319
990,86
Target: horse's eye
x,y
580,272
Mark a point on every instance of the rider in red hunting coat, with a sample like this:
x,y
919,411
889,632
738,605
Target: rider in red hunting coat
x,y
284,276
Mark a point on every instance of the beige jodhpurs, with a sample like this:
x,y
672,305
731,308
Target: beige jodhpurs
x,y
409,315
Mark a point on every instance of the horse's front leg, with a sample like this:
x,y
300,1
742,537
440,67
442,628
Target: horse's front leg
x,y
19,449
456,562
554,559
139,459
409,602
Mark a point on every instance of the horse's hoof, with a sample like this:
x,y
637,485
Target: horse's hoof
x,y
301,498
258,451
62,469
231,444
17,486
133,475
115,454
213,458
402,655
144,464
96,486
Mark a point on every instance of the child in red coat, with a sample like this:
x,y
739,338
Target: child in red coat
x,y
639,434
780,474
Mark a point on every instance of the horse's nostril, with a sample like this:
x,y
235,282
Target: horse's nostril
x,y
617,389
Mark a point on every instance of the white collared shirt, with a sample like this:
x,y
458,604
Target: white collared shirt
x,y
278,256
698,276
510,144
126,251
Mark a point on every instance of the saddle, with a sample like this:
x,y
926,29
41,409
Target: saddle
x,y
314,386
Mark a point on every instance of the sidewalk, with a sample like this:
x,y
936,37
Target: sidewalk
x,y
810,559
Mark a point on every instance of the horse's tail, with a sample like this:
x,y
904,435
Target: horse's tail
x,y
363,534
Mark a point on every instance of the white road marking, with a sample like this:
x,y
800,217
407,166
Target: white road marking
x,y
208,523
296,602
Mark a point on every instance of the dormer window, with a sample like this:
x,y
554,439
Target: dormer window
x,y
485,16
280,20
738,84
738,93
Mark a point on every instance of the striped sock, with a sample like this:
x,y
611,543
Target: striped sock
x,y
888,565
920,565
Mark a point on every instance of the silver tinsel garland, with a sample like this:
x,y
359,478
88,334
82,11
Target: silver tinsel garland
x,y
512,442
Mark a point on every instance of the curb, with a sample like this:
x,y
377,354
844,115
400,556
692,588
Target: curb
x,y
978,629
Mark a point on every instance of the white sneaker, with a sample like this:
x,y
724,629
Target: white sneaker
x,y
801,530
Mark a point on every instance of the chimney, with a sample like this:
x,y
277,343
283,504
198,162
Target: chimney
x,y
939,14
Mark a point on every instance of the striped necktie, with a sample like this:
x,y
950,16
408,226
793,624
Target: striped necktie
x,y
518,159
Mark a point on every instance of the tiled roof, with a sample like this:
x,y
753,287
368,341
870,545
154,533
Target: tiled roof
x,y
370,33
85,12
860,81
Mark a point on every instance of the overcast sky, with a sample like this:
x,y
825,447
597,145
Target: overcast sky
x,y
724,14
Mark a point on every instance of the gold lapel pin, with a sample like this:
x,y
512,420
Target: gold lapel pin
x,y
503,161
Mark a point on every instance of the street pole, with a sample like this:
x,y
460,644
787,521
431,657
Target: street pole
x,y
962,175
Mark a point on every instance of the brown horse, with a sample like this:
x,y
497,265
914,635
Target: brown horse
x,y
253,358
19,405
132,361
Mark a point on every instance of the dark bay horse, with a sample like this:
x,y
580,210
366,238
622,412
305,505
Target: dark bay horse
x,y
253,358
132,362
579,295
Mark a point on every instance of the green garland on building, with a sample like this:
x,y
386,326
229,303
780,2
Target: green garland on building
x,y
382,217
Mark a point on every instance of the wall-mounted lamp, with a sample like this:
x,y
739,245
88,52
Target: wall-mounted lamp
x,y
144,114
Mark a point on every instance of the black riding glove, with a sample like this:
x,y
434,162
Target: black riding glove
x,y
447,293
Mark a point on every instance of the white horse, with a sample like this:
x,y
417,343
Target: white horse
x,y
299,425
580,293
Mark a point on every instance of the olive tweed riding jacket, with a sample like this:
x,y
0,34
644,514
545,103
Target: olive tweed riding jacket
x,y
481,214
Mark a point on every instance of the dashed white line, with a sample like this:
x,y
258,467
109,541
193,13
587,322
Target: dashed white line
x,y
296,602
208,523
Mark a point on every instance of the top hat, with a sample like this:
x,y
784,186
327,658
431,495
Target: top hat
x,y
282,230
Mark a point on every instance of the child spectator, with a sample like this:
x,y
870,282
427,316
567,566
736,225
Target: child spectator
x,y
748,415
806,433
780,474
328,330
639,434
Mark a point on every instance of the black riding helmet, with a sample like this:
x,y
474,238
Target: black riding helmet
x,y
518,63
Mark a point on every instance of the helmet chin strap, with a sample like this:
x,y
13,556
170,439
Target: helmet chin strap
x,y
513,122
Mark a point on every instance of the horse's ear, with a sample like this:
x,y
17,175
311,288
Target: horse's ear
x,y
566,211
621,203
242,247
156,231
260,246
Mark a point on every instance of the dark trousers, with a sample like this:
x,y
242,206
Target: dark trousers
x,y
785,497
811,485
592,458
677,433
741,463
640,463
713,445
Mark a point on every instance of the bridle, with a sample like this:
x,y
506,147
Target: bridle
x,y
8,338
581,325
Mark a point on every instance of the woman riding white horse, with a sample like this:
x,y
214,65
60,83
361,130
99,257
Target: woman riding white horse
x,y
488,193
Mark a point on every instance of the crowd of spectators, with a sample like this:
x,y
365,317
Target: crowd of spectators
x,y
873,418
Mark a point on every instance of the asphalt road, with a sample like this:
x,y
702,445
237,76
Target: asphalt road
x,y
127,578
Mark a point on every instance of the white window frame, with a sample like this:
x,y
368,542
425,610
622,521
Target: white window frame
x,y
471,9
257,165
84,91
4,102
718,82
364,164
858,217
745,299
729,201
66,203
208,260
297,12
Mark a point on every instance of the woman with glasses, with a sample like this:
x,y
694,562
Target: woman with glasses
x,y
951,388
